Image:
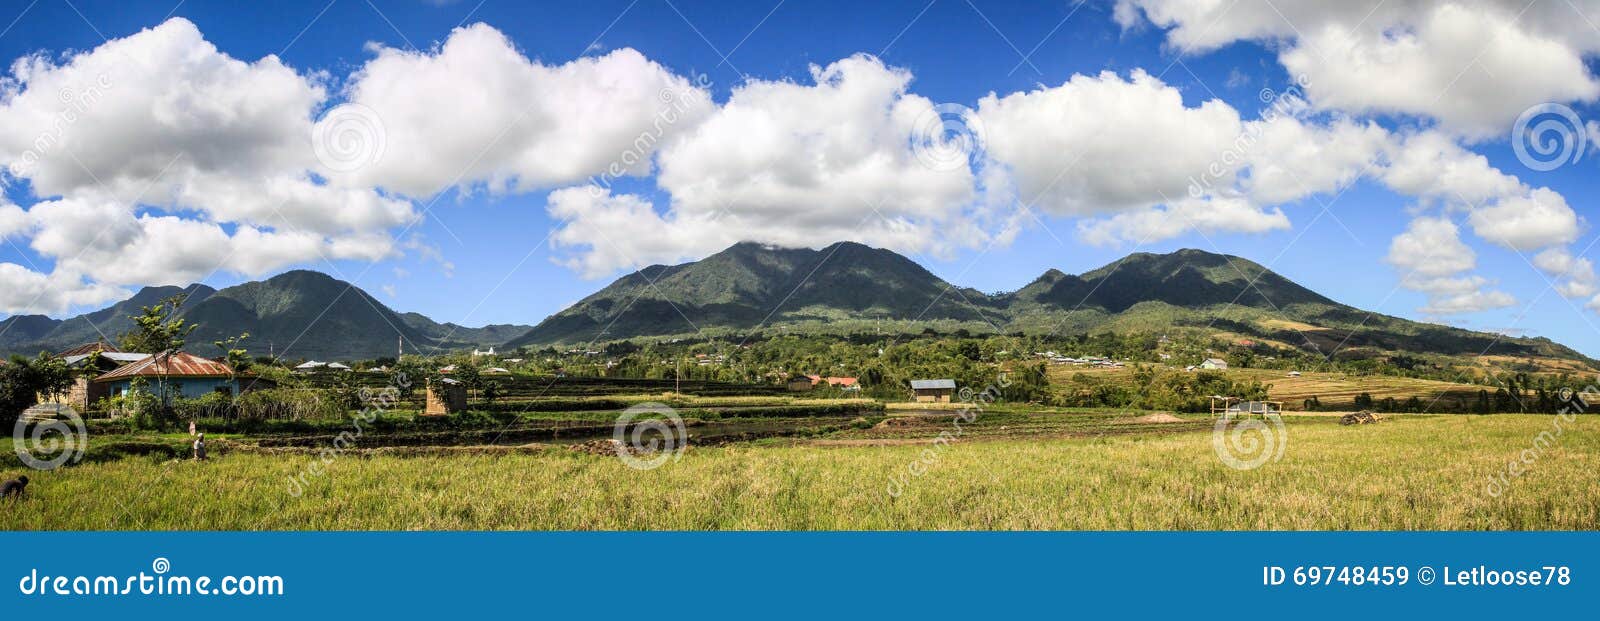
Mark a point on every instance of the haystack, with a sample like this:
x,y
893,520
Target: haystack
x,y
1359,418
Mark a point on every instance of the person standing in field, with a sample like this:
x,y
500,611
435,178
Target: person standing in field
x,y
191,429
200,446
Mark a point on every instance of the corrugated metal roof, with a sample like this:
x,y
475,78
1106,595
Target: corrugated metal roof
x,y
87,348
177,364
932,384
118,357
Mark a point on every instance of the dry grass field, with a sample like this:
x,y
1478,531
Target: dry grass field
x,y
1407,472
1340,388
1332,389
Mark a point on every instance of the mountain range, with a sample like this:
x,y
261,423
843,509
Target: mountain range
x,y
841,289
297,314
848,287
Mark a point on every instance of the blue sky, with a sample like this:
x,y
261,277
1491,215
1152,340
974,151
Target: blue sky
x,y
480,256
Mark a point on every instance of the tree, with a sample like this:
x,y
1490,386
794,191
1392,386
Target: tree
x,y
142,407
235,354
23,381
157,328
469,376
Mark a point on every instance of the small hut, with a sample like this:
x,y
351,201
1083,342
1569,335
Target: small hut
x,y
1233,407
933,391
445,396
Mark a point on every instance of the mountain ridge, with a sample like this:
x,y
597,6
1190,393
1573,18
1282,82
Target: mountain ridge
x,y
842,288
295,314
849,286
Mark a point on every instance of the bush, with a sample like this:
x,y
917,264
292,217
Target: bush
x,y
291,404
212,405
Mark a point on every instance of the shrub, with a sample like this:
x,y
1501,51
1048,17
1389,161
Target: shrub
x,y
212,405
290,404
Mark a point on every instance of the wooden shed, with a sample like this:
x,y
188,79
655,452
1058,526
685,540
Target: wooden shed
x,y
933,391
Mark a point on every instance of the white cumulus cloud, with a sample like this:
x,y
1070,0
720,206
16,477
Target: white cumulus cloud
x,y
1472,65
791,164
476,110
1433,260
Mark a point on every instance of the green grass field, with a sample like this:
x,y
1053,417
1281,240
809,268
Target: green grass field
x,y
1408,472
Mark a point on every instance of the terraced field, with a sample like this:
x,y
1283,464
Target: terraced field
x,y
1333,390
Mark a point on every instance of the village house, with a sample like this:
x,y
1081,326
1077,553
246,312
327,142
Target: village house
x,y
87,361
1214,364
847,384
933,390
313,366
179,374
799,383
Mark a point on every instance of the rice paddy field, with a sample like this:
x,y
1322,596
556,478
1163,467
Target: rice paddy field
x,y
1332,389
1003,470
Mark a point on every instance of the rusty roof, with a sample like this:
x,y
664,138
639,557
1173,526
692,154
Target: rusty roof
x,y
88,348
176,364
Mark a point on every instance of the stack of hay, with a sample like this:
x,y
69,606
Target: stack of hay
x,y
607,447
1359,418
